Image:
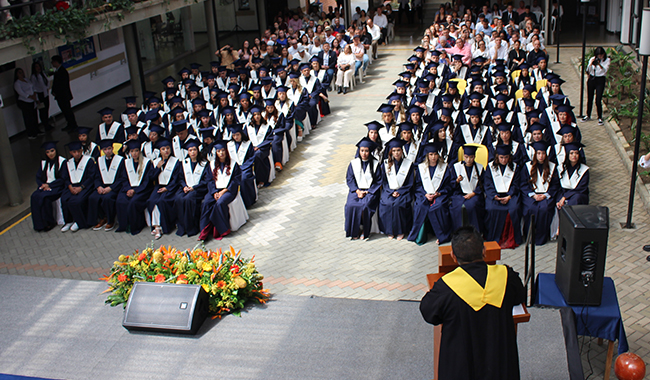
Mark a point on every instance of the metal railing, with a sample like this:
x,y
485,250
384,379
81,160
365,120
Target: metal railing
x,y
529,260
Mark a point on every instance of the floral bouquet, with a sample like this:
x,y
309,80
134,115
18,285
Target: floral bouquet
x,y
229,279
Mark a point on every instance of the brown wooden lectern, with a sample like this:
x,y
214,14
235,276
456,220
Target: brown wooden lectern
x,y
446,264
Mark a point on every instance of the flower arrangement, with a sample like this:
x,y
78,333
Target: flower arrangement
x,y
229,279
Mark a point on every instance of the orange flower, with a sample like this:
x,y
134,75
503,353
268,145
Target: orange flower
x,y
121,277
142,256
234,269
160,278
182,279
221,284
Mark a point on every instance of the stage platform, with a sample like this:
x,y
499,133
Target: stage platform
x,y
61,329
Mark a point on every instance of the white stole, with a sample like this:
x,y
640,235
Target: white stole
x,y
503,181
570,183
192,178
51,170
396,180
308,85
76,174
166,172
431,185
555,123
179,152
223,179
238,155
467,134
111,131
257,138
134,178
541,187
108,173
468,185
413,151
363,178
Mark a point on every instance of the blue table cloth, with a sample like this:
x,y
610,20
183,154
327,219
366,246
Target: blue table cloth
x,y
602,321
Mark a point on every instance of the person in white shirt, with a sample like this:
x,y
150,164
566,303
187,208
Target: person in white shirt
x,y
498,51
535,7
381,21
41,88
345,62
27,100
360,56
376,35
316,47
597,70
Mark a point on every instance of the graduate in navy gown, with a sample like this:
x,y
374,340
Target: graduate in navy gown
x,y
395,210
160,205
467,189
432,183
364,179
280,126
241,151
502,201
505,138
109,178
223,188
312,85
300,101
261,136
137,186
574,178
193,187
473,132
49,180
539,186
79,177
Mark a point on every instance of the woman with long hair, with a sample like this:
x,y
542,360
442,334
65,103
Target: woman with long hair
x,y
41,88
597,70
261,137
395,210
432,184
137,187
193,188
300,99
574,177
245,51
345,71
242,152
160,212
27,101
50,182
223,188
467,190
280,125
502,195
364,180
539,186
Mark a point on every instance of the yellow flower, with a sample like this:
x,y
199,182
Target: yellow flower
x,y
122,258
206,288
207,267
158,257
241,283
133,263
116,263
199,264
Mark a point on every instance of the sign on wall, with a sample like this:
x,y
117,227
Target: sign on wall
x,y
78,53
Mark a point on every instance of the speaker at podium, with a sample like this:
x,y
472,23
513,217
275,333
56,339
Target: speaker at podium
x,y
581,253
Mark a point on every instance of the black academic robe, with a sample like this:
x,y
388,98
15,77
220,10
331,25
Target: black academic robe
x,y
102,206
396,213
244,154
75,206
475,344
130,210
475,206
261,137
574,185
42,202
543,210
497,213
359,211
216,213
188,205
437,211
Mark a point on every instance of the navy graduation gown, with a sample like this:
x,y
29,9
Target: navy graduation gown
x,y
396,213
130,210
475,206
244,154
102,206
188,205
165,200
518,153
359,211
280,129
216,212
543,210
50,172
75,206
263,142
574,185
437,211
497,213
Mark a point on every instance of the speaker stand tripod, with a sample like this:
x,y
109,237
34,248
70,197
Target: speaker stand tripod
x,y
237,28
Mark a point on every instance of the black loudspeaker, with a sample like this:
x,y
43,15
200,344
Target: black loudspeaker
x,y
581,250
166,308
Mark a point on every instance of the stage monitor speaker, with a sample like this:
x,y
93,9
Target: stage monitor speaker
x,y
166,308
581,250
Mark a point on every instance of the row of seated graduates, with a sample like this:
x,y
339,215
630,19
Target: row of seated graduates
x,y
257,125
486,109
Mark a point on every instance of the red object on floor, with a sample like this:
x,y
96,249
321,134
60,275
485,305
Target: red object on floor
x,y
205,233
507,240
629,366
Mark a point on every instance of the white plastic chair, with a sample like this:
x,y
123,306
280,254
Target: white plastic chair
x,y
238,213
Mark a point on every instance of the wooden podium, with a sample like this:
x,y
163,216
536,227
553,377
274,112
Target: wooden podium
x,y
446,264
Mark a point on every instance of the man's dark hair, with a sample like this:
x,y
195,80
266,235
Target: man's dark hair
x,y
57,58
467,245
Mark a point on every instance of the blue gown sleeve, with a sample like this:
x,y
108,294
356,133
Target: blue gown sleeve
x,y
350,180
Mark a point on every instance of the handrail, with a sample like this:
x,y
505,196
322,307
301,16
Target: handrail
x,y
20,5
529,258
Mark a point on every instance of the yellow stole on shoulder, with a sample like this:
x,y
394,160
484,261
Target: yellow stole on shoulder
x,y
472,293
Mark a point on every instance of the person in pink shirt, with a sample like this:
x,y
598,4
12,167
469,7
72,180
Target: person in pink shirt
x,y
295,23
463,49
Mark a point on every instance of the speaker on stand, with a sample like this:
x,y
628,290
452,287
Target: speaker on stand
x,y
581,253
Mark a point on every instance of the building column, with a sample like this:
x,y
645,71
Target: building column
x,y
9,171
208,7
133,58
188,30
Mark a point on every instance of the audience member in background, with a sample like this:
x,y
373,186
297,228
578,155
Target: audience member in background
x,y
597,70
27,101
61,92
41,88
